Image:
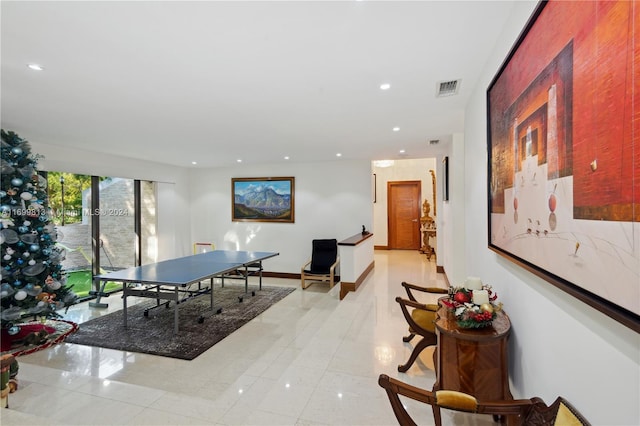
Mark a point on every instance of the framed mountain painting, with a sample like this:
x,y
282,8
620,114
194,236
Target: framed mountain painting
x,y
269,199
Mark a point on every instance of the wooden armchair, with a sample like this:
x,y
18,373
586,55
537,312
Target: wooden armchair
x,y
527,412
322,265
421,320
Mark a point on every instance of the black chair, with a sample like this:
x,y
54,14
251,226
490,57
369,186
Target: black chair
x,y
322,265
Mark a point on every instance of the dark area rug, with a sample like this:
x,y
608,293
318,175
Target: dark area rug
x,y
153,334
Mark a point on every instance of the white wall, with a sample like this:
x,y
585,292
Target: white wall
x,y
332,200
173,233
559,345
453,213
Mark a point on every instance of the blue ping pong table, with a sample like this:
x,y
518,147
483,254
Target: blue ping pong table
x,y
171,280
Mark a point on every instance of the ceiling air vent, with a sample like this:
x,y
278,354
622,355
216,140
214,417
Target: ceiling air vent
x,y
447,88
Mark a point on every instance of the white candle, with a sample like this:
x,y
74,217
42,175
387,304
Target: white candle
x,y
473,283
480,297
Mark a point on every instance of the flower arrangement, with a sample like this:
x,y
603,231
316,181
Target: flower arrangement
x,y
473,308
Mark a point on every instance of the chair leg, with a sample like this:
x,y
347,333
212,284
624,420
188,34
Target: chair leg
x,y
423,343
437,418
303,280
409,337
400,412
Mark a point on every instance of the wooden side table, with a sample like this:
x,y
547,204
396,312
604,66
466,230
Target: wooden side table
x,y
426,247
473,361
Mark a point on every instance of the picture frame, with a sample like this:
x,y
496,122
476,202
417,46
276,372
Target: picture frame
x,y
558,204
445,180
374,186
263,199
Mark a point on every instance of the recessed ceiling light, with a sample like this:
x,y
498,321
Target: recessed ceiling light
x,y
338,155
239,160
396,129
402,151
383,163
286,157
35,67
194,162
385,86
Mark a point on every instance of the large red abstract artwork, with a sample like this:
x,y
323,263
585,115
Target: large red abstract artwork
x,y
564,158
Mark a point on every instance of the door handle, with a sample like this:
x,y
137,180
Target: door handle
x,y
414,220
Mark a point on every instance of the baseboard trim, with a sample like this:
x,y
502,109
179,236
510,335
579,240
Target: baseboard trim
x,y
346,287
381,248
446,278
286,275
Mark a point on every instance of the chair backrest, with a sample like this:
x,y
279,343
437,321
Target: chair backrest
x,y
526,412
324,254
560,413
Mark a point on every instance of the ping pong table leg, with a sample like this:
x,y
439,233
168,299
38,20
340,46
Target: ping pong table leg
x,y
124,303
98,302
175,313
260,275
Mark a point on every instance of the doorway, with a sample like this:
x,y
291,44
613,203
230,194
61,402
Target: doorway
x,y
403,212
116,230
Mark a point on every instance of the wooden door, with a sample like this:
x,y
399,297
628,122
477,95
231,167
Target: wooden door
x,y
403,210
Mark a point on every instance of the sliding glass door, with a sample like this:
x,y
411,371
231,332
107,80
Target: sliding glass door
x,y
116,212
103,224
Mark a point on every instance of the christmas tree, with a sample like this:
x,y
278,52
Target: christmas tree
x,y
32,280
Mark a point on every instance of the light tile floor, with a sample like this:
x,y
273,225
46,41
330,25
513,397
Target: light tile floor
x,y
311,359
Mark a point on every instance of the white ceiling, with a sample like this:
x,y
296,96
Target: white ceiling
x,y
213,81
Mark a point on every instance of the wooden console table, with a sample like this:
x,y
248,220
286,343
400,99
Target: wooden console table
x,y
473,361
426,247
